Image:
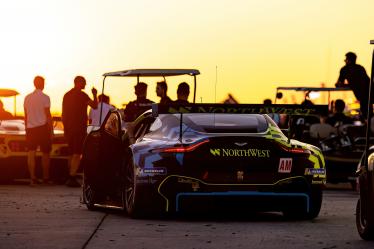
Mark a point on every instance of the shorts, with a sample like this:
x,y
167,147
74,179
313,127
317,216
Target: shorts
x,y
75,141
39,136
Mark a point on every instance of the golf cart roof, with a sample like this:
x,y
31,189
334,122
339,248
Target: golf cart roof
x,y
153,72
315,89
8,92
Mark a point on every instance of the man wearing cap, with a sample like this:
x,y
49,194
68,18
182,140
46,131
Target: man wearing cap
x,y
138,106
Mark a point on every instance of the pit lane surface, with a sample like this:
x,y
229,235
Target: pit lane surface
x,y
53,217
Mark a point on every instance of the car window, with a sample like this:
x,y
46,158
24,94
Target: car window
x,y
232,123
155,125
112,124
143,127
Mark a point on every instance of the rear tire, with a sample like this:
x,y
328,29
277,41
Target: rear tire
x,y
365,230
89,195
315,203
132,194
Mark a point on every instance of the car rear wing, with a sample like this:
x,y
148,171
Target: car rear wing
x,y
240,109
236,109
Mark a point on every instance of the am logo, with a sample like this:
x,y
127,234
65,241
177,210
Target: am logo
x,y
285,165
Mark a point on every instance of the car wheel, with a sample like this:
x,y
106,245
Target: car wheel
x,y
365,230
315,203
89,195
131,194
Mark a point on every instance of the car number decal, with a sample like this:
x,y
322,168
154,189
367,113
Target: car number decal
x,y
285,165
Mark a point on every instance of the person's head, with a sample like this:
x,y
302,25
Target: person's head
x,y
141,90
267,102
322,118
103,98
339,105
39,82
161,88
307,103
183,91
79,82
350,58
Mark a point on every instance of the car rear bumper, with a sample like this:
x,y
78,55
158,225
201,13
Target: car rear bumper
x,y
241,200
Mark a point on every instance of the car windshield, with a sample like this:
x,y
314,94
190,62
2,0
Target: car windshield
x,y
226,123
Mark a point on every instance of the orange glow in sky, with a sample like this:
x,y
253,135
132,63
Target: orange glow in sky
x,y
243,47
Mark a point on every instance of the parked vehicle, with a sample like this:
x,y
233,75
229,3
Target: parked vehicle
x,y
202,157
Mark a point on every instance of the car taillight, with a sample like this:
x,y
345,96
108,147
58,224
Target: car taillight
x,y
296,150
182,148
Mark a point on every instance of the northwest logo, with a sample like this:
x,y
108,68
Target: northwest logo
x,y
240,153
215,152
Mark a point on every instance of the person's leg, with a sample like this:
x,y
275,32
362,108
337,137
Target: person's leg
x,y
32,146
31,166
76,145
46,146
74,165
45,165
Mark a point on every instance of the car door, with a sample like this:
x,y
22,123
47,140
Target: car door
x,y
102,156
111,153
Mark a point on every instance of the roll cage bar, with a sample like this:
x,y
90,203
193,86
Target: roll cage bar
x,y
151,73
5,93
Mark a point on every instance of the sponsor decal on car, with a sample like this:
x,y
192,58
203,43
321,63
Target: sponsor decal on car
x,y
240,152
313,171
194,184
285,165
318,181
240,175
156,171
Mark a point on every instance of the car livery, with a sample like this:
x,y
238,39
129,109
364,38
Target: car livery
x,y
203,157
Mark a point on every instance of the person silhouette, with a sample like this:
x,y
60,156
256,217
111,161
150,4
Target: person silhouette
x,y
182,93
4,114
38,122
141,104
355,77
74,118
161,91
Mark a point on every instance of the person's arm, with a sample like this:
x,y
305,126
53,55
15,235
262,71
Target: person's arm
x,y
90,116
341,79
47,112
93,103
24,109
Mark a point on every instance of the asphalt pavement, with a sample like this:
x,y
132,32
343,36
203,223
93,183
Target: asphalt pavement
x,y
53,217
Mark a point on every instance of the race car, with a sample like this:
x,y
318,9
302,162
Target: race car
x,y
202,157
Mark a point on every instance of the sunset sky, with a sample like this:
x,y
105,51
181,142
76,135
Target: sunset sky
x,y
243,47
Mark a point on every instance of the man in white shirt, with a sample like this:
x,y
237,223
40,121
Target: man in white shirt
x,y
38,123
94,116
